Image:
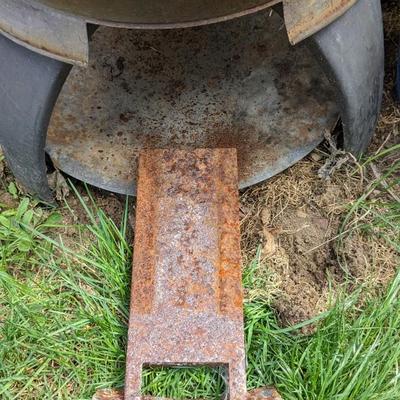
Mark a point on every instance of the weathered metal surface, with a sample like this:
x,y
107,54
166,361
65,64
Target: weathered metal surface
x,y
56,28
303,18
158,14
50,33
237,84
266,393
187,297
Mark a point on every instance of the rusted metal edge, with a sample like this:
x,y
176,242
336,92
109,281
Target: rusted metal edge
x,y
303,18
63,36
187,24
100,145
266,393
187,295
155,14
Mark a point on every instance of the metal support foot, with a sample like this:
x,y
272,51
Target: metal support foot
x,y
29,87
351,50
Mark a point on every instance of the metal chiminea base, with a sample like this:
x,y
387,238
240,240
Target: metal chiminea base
x,y
236,83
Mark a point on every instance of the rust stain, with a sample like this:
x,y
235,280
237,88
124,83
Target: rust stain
x,y
145,233
226,85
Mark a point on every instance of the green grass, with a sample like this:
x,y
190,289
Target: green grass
x,y
64,325
377,211
63,318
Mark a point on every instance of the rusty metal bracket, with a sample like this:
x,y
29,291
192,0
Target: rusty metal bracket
x,y
187,297
186,305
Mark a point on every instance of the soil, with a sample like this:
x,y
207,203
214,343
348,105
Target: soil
x,y
295,218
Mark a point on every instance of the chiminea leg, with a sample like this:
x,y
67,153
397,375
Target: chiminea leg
x,y
352,52
29,87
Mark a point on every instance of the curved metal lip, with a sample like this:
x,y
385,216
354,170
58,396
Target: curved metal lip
x,y
186,22
301,25
58,27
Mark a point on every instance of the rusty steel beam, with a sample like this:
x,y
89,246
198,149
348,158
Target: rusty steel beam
x,y
187,297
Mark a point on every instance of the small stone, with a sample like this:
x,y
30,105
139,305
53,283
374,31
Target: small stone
x,y
315,156
59,185
270,243
109,394
266,393
266,216
8,200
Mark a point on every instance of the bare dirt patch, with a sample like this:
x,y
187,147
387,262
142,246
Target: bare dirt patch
x,y
294,217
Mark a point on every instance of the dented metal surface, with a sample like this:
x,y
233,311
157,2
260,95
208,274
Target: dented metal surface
x,y
57,28
238,84
303,18
187,299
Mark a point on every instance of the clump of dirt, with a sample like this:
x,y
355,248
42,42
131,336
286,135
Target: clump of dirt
x,y
303,235
370,260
